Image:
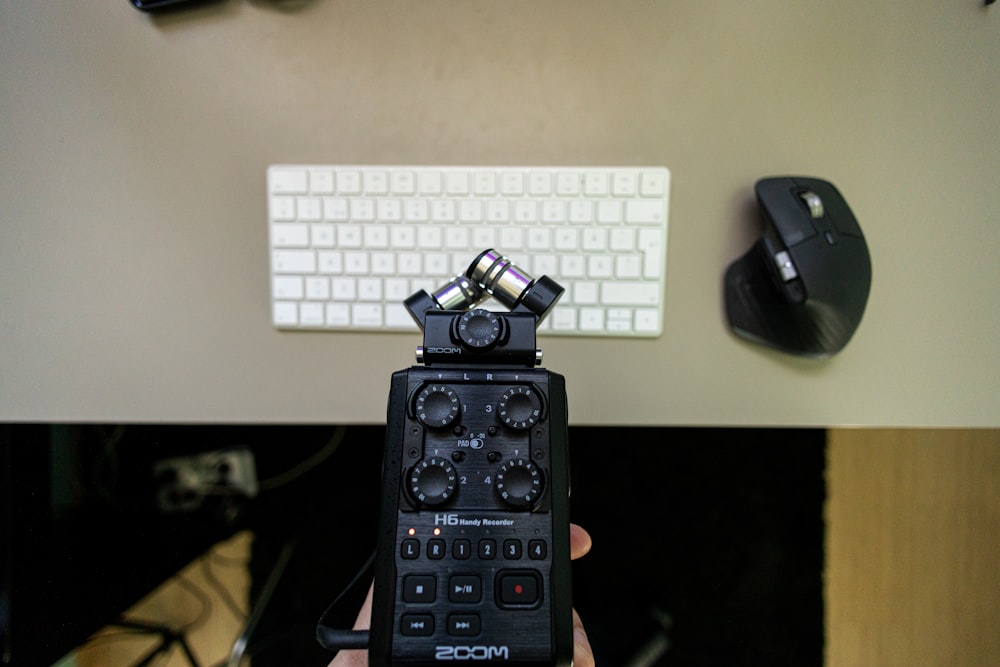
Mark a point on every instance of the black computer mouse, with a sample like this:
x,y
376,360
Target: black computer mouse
x,y
803,286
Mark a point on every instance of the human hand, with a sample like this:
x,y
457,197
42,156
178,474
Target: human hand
x,y
583,656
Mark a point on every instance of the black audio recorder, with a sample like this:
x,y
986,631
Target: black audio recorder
x,y
472,562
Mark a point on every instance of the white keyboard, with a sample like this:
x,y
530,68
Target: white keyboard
x,y
349,244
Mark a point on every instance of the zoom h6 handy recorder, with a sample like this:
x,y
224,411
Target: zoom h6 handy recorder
x,y
472,563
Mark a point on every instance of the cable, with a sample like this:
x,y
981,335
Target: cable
x,y
337,640
308,464
341,640
221,590
240,645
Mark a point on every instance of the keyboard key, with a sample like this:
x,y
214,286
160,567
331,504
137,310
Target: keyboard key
x,y
644,212
348,182
567,184
629,293
376,182
595,184
309,208
335,209
293,261
288,288
338,314
321,182
429,183
366,315
485,183
624,184
318,289
288,180
653,183
290,235
403,183
512,183
286,313
311,314
322,235
283,208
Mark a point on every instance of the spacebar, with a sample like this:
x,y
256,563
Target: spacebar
x,y
625,293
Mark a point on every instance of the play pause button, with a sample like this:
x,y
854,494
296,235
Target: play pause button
x,y
465,588
417,625
463,625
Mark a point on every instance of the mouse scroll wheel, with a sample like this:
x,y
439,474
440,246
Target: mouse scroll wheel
x,y
786,269
813,202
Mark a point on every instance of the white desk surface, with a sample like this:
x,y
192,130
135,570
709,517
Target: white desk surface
x,y
133,247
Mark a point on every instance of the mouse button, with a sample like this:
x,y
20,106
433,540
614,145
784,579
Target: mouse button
x,y
813,261
784,210
835,207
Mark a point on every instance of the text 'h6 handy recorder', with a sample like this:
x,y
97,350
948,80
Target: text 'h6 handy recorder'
x,y
472,562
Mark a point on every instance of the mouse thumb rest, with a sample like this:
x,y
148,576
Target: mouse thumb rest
x,y
759,311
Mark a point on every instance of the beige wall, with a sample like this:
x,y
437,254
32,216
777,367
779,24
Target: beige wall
x,y
913,548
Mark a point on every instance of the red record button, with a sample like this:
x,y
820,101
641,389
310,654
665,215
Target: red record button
x,y
519,589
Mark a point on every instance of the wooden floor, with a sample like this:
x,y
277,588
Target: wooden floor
x,y
209,597
913,548
912,575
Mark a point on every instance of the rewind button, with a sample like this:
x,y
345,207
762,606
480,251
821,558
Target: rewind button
x,y
417,625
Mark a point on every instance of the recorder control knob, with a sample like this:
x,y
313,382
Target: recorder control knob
x,y
437,406
519,483
432,481
479,329
520,407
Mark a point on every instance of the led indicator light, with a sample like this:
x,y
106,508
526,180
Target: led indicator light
x,y
411,532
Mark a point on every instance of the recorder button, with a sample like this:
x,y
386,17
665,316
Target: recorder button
x,y
487,549
519,483
461,549
437,406
465,588
479,329
432,481
410,549
520,407
518,589
538,549
463,625
435,549
417,625
419,588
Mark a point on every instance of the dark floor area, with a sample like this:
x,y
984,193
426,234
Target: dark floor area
x,y
708,543
719,531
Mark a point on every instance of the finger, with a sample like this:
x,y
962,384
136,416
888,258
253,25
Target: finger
x,y
583,655
579,541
